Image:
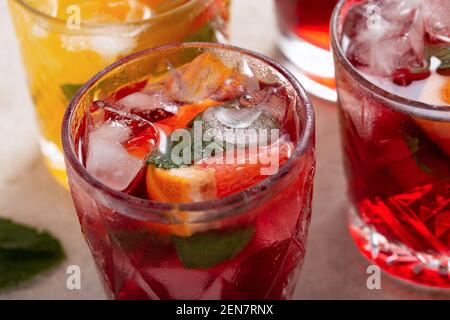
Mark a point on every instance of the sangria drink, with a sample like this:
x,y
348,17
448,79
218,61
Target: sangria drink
x,y
393,75
65,42
305,40
191,169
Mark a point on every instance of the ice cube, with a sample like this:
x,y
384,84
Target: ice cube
x,y
242,118
389,42
111,46
400,11
116,145
273,99
233,117
150,105
116,42
436,15
108,160
205,77
249,74
102,111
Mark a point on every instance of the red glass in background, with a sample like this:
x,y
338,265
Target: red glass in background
x,y
135,242
305,40
397,165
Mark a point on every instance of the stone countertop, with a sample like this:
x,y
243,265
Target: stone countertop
x,y
333,268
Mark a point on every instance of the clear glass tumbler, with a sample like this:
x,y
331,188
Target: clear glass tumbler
x,y
398,177
135,252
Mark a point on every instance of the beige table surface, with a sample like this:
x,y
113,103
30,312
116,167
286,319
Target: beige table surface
x,y
333,268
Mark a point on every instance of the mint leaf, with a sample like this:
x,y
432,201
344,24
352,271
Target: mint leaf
x,y
25,252
414,147
207,249
429,158
69,90
163,160
413,143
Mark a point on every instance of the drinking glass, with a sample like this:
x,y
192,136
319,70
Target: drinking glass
x,y
398,178
305,40
133,240
65,42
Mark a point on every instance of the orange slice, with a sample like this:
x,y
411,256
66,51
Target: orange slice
x,y
186,114
437,131
198,79
445,92
240,175
188,184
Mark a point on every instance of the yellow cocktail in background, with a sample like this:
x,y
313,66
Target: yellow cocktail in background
x,y
65,42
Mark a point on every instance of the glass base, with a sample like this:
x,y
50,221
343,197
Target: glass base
x,y
314,66
396,259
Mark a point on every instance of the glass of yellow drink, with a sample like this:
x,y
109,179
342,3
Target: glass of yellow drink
x,y
65,42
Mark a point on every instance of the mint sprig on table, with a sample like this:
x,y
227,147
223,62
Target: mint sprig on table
x,y
70,90
208,249
25,252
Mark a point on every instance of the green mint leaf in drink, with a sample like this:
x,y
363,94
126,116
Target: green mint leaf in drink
x,y
25,252
69,90
208,249
429,158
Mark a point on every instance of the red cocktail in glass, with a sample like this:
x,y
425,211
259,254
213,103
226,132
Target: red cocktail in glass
x,y
305,40
200,228
392,71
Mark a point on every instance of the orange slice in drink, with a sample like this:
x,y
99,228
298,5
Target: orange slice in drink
x,y
437,91
189,184
186,114
244,173
199,79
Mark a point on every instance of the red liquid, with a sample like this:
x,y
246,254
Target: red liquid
x,y
138,261
152,260
404,195
307,19
399,179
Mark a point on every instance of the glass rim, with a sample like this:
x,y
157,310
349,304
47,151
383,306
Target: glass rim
x,y
421,109
103,26
248,195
